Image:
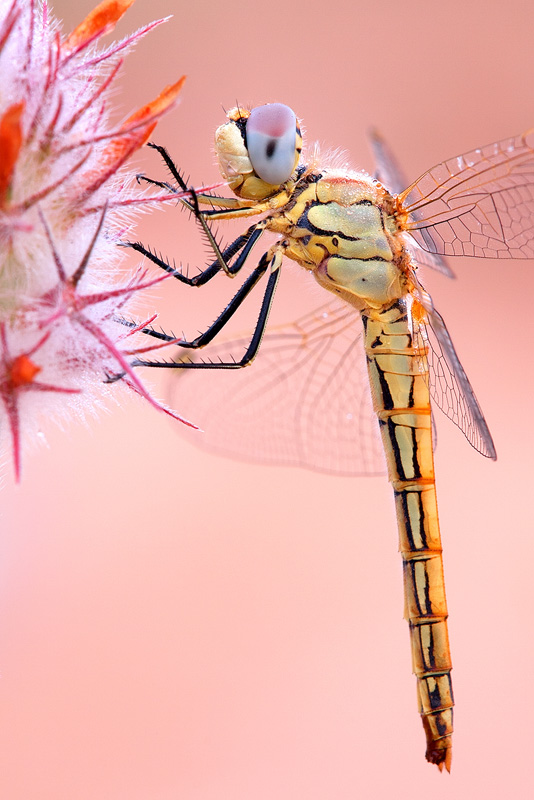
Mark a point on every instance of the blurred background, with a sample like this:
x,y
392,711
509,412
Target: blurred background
x,y
177,625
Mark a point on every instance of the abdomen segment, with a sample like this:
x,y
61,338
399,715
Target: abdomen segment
x,y
399,385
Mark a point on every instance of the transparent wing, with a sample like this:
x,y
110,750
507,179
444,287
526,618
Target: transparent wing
x,y
304,401
477,204
389,173
449,385
387,169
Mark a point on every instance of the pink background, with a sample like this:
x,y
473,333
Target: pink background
x,y
176,625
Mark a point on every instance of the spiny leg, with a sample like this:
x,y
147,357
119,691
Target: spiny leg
x,y
221,320
245,242
192,204
224,317
224,202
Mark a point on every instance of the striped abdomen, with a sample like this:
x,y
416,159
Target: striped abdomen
x,y
399,384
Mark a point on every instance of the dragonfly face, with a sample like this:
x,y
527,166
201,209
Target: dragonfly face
x,y
304,402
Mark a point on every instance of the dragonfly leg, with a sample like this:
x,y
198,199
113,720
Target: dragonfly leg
x,y
268,259
193,204
227,206
243,243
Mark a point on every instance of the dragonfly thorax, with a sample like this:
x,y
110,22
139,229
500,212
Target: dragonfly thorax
x,y
342,228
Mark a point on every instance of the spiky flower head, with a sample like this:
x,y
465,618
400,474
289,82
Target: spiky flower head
x,y
64,201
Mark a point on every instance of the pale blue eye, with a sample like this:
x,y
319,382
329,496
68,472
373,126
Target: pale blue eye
x,y
271,142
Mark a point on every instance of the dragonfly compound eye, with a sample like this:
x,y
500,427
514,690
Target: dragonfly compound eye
x,y
272,142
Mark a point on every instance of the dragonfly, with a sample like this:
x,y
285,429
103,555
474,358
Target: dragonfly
x,y
376,356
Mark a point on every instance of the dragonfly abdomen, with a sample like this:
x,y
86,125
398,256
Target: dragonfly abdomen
x,y
399,385
426,612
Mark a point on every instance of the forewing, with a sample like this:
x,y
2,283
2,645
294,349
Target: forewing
x,y
390,174
449,385
387,168
304,401
477,204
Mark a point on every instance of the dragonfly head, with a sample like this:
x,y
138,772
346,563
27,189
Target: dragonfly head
x,y
258,150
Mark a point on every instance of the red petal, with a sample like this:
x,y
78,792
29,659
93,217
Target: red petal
x,y
101,20
134,133
116,153
10,143
157,107
23,370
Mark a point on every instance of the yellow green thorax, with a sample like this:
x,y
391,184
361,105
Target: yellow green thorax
x,y
343,229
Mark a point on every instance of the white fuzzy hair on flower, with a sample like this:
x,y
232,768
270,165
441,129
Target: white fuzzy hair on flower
x,y
64,201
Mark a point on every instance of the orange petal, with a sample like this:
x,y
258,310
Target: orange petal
x,y
163,101
10,143
23,370
132,135
116,153
147,136
101,20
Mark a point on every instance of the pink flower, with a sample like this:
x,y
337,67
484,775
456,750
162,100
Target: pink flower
x,y
64,202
